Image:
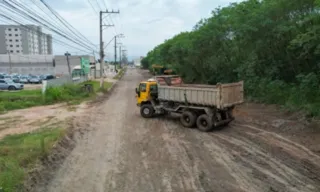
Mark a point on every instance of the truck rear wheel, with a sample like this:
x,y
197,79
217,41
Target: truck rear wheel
x,y
188,119
204,123
147,111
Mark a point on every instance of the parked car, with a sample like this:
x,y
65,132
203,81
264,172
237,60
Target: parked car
x,y
7,77
24,79
47,77
35,79
15,78
8,84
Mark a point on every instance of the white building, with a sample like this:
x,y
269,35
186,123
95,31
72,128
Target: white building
x,y
27,40
137,62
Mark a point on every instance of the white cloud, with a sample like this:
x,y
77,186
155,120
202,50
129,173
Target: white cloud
x,y
145,23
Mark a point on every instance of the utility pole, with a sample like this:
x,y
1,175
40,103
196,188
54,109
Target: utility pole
x,y
95,69
123,54
115,53
67,55
115,48
10,62
101,43
120,61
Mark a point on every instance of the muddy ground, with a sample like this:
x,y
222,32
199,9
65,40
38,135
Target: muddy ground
x,y
263,150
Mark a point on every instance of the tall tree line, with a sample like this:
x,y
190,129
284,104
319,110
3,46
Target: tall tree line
x,y
273,45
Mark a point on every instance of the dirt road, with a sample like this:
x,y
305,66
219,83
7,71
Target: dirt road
x,y
123,152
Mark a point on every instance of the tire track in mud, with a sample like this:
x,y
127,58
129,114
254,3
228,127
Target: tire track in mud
x,y
199,167
123,152
291,153
261,162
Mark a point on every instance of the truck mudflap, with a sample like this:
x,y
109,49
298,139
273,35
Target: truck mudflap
x,y
223,122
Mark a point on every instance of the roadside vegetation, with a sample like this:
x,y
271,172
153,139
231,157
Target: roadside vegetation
x,y
29,98
19,153
273,45
120,74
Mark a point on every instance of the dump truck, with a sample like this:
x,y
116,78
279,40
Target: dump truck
x,y
203,106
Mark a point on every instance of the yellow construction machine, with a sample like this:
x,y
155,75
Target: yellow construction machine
x,y
161,70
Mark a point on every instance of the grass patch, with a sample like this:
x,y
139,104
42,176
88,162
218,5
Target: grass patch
x,y
96,85
120,74
19,99
18,153
73,94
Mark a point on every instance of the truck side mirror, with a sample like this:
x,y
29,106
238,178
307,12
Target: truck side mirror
x,y
138,92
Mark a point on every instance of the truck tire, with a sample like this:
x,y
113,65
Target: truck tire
x,y
188,119
204,123
147,111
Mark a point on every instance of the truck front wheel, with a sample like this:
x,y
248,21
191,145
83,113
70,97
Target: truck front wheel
x,y
188,119
147,111
204,123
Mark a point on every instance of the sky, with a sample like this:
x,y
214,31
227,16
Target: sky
x,y
144,23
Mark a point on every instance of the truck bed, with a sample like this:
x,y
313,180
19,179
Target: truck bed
x,y
220,95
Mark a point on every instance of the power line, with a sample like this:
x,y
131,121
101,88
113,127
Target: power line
x,y
26,28
27,16
95,11
50,16
24,14
30,11
98,4
65,23
104,3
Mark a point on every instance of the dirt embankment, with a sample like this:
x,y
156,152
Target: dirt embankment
x,y
26,120
116,150
77,125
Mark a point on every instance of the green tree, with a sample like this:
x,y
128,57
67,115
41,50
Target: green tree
x,y
274,45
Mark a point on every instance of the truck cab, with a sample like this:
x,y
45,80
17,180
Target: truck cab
x,y
146,91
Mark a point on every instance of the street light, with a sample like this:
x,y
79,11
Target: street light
x,y
119,35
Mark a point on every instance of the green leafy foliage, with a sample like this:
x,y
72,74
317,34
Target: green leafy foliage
x,y
18,153
273,45
70,93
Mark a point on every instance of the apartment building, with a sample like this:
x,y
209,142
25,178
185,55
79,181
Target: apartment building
x,y
27,40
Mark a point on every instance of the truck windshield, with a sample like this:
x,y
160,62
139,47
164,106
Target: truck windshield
x,y
143,87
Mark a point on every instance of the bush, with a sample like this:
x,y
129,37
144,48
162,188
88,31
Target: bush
x,y
67,92
303,95
72,93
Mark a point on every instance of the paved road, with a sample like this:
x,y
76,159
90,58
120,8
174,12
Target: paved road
x,y
123,152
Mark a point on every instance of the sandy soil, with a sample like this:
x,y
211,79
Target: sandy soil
x,y
263,150
26,120
32,86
